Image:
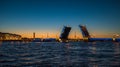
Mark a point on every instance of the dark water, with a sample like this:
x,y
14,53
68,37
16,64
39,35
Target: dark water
x,y
73,54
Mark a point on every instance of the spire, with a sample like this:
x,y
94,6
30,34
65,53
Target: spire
x,y
33,35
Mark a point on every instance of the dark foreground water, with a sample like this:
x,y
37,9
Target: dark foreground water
x,y
73,54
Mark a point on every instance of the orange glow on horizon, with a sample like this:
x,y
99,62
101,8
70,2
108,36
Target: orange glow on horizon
x,y
38,35
77,35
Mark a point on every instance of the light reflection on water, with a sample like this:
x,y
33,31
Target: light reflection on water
x,y
55,54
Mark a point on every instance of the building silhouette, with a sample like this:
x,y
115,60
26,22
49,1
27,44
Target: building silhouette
x,y
9,36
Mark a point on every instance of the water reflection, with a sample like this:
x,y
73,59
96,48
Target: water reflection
x,y
117,48
55,54
93,59
116,61
67,56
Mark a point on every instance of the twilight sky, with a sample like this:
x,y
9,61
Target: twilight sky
x,y
102,17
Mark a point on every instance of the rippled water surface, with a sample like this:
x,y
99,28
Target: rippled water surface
x,y
55,54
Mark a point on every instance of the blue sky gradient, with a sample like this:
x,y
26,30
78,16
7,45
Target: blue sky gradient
x,y
42,16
